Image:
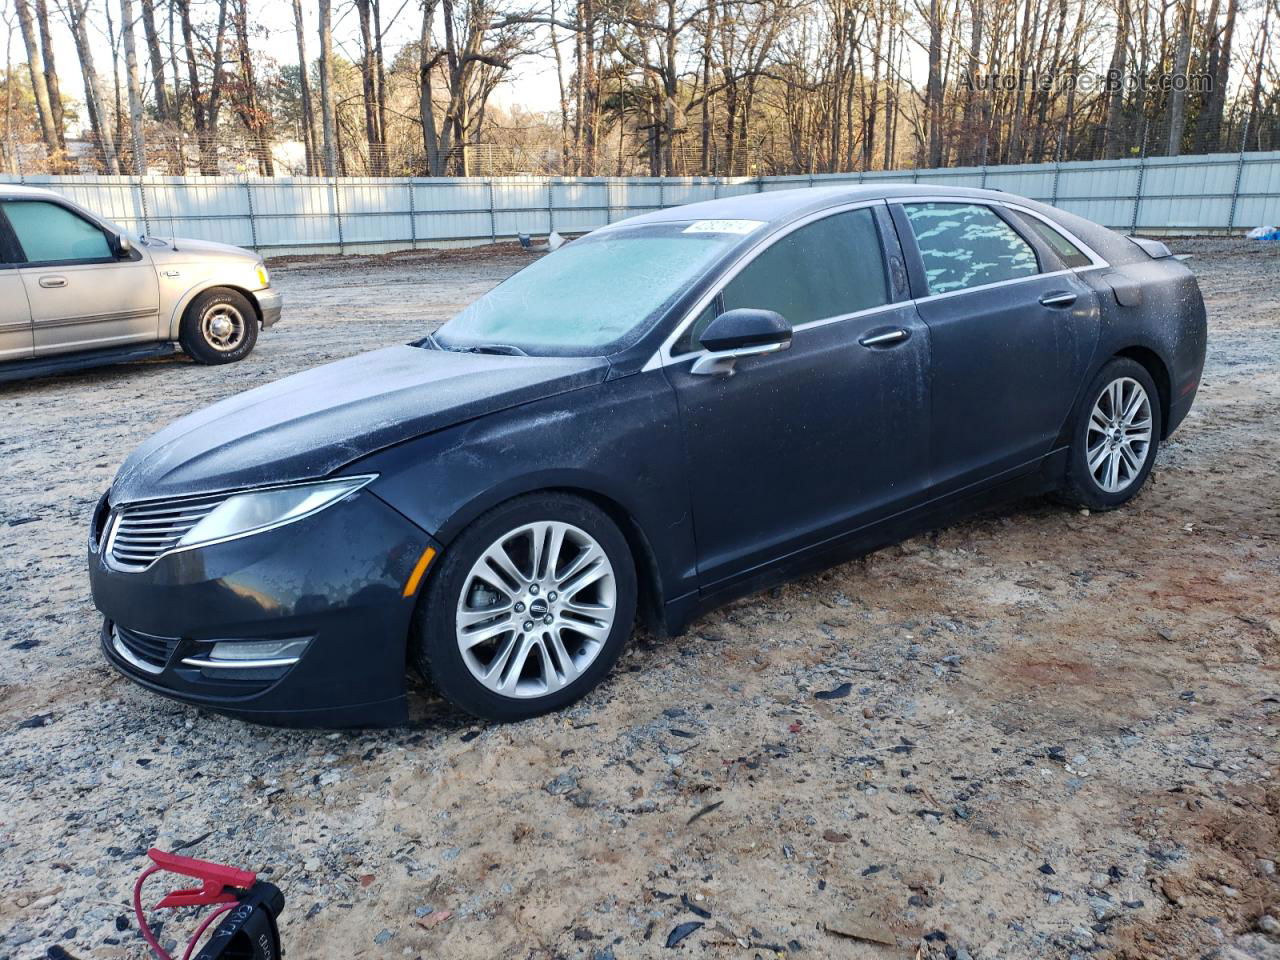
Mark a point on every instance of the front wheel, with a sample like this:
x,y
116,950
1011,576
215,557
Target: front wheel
x,y
1115,437
531,606
220,326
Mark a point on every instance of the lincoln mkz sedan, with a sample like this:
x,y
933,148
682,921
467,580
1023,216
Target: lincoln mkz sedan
x,y
669,412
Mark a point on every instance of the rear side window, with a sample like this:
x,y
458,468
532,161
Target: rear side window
x,y
1070,255
828,268
49,233
967,245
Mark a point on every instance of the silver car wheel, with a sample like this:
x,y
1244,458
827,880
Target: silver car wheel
x,y
223,327
536,609
1118,438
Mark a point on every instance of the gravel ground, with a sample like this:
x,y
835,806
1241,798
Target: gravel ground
x,y
1034,734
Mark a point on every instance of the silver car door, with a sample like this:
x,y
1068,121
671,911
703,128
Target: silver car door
x,y
82,296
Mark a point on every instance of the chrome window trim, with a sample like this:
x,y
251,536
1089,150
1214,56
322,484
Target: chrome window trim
x,y
114,520
662,356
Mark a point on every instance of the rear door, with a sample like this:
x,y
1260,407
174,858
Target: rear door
x,y
800,446
15,313
81,295
1011,329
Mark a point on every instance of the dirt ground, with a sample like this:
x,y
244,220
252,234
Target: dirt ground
x,y
1035,734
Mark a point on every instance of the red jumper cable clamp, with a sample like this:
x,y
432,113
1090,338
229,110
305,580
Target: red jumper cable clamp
x,y
248,909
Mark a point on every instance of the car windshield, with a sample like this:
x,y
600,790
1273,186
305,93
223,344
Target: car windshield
x,y
596,295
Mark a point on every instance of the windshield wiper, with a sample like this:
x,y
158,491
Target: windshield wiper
x,y
502,349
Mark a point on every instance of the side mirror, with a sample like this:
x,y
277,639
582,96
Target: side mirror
x,y
741,333
124,246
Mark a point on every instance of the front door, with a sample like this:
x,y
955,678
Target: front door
x,y
1011,338
800,446
81,295
15,312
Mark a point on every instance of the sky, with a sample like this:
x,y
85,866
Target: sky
x,y
532,86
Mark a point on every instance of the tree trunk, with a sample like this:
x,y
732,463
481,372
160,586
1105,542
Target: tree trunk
x,y
135,87
39,86
369,76
564,95
1178,96
1112,137
933,92
1208,135
426,104
328,112
255,119
304,93
103,139
60,161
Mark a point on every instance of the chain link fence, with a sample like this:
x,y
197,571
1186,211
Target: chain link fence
x,y
1216,193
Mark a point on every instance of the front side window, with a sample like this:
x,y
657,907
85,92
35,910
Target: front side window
x,y
49,233
829,268
966,245
598,294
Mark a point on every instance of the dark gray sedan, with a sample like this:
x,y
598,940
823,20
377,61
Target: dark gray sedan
x,y
662,415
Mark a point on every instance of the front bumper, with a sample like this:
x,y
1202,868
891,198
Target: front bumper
x,y
335,579
270,302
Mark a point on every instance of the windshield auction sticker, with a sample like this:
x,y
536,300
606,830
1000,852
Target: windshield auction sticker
x,y
723,226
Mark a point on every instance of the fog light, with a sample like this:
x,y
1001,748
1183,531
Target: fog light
x,y
239,654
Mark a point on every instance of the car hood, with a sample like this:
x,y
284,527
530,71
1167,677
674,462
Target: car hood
x,y
310,424
177,249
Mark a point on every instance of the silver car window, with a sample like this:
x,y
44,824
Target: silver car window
x,y
49,233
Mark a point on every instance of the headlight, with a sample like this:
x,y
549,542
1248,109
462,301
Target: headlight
x,y
263,277
244,513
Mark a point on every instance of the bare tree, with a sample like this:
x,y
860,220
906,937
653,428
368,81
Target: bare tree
x,y
328,112
135,88
256,119
76,15
304,90
39,87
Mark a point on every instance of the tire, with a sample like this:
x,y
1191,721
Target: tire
x,y
1101,443
219,326
553,632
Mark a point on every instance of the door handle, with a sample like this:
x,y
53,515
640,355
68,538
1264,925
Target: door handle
x,y
888,338
1058,298
53,281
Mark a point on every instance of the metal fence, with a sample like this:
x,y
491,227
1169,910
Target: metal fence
x,y
1214,193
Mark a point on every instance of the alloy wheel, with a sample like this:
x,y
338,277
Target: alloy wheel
x,y
223,327
536,609
1118,438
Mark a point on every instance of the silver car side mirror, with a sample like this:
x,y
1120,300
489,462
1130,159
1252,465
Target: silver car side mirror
x,y
722,362
124,246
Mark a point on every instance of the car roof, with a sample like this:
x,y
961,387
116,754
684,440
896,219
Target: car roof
x,y
777,206
22,190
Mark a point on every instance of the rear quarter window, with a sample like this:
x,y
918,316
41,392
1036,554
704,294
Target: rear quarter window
x,y
1070,255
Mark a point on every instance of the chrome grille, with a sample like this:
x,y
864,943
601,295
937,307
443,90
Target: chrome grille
x,y
142,533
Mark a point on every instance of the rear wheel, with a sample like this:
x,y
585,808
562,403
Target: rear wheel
x,y
219,326
1115,437
530,608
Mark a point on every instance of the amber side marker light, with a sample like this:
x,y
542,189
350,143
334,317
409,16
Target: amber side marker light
x,y
420,568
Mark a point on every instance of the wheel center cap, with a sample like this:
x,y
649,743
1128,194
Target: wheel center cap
x,y
539,607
